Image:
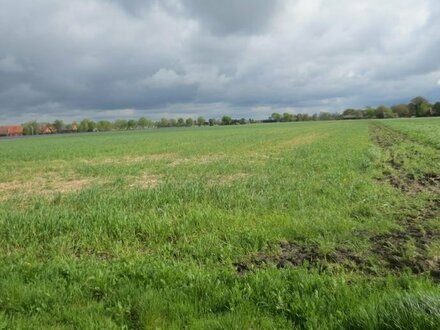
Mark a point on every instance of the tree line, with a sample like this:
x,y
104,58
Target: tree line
x,y
417,107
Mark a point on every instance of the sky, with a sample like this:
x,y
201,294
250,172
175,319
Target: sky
x,y
110,59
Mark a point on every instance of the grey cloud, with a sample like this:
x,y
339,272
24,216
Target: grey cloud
x,y
134,7
233,16
73,59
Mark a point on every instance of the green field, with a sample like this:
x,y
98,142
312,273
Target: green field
x,y
298,225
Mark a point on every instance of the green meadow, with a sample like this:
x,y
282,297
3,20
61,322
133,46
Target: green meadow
x,y
311,225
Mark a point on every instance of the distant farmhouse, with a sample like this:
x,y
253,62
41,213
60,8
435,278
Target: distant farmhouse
x,y
47,130
11,130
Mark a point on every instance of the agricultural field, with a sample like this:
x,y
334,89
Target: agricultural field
x,y
425,130
298,225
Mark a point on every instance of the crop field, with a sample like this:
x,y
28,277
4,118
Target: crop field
x,y
298,225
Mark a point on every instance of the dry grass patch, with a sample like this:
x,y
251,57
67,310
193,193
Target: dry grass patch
x,y
270,150
146,180
297,141
42,186
199,160
129,160
302,140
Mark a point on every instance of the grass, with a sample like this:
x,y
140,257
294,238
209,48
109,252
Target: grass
x,y
256,226
424,130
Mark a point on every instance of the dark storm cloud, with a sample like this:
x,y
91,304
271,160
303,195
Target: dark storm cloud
x,y
110,58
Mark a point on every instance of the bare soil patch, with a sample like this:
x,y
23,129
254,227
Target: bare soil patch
x,y
292,254
408,248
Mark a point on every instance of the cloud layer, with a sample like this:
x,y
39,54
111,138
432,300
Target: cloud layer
x,y
116,58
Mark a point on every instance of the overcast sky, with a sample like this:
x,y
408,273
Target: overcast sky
x,y
246,58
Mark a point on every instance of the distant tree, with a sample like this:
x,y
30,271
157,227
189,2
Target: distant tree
x,y
180,122
436,109
173,122
353,114
242,121
200,121
189,122
212,121
287,117
369,113
84,125
226,120
58,125
120,124
302,117
144,122
276,116
384,112
325,116
419,106
424,110
104,125
93,126
131,124
30,128
163,122
401,110
419,100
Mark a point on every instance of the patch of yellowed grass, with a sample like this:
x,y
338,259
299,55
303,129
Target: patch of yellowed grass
x,y
42,186
303,140
146,180
199,160
128,160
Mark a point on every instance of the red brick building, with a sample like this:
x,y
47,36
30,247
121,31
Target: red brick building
x,y
11,130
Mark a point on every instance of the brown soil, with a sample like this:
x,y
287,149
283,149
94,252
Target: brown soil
x,y
408,248
293,254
